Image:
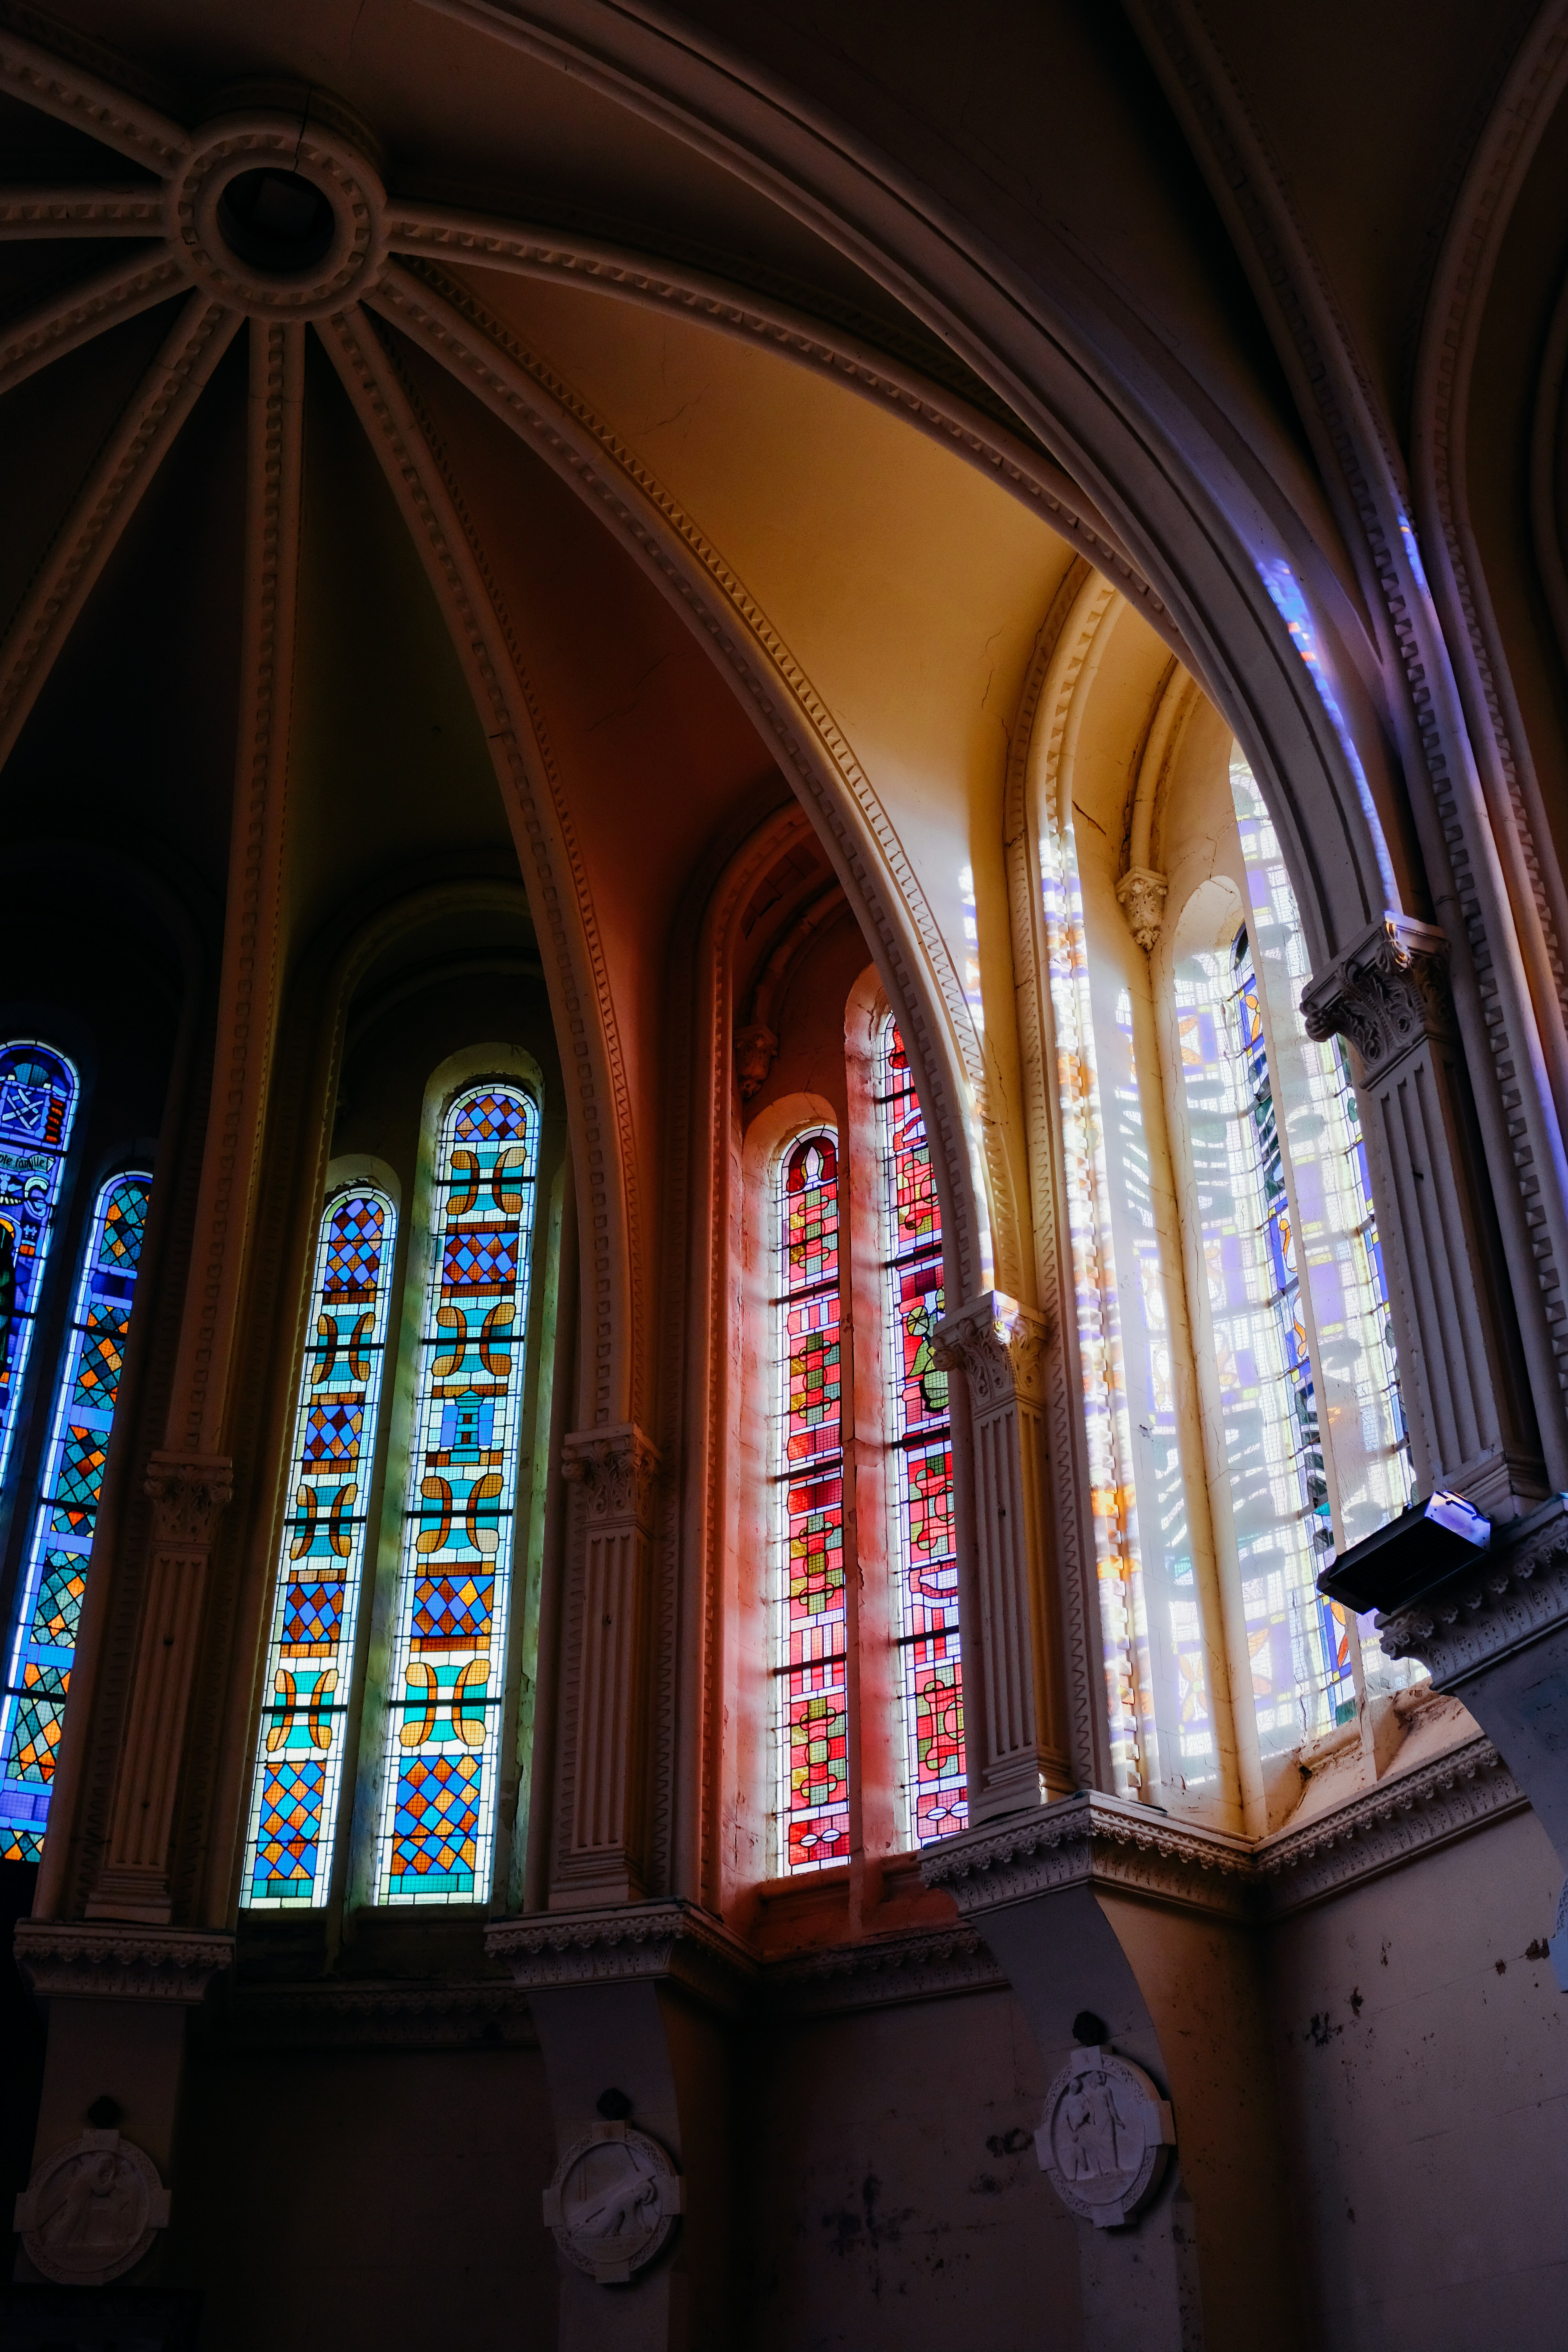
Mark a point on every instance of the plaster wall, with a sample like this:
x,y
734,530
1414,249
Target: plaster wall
x,y
1422,2066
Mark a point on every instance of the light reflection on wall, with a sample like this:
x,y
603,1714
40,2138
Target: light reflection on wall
x,y
1134,1741
1366,1449
1178,1678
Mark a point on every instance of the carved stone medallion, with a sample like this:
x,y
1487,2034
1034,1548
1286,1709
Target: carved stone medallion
x,y
1105,2138
92,2209
613,2202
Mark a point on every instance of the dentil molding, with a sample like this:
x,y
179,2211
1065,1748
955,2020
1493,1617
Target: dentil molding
x,y
83,1960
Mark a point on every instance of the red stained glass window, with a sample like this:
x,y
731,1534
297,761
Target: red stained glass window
x,y
811,1728
924,1559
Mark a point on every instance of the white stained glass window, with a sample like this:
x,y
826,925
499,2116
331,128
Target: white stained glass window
x,y
446,1685
297,1773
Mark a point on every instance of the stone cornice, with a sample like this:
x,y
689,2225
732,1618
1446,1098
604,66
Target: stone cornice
x,y
1407,1814
83,1960
618,1944
1089,1839
1518,1592
924,1964
373,2015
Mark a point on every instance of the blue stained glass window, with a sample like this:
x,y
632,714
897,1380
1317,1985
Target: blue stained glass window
x,y
31,1710
309,1658
447,1677
37,1104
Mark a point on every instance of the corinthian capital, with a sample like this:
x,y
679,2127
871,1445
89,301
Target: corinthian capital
x,y
616,1467
188,1491
999,1345
1141,895
1387,993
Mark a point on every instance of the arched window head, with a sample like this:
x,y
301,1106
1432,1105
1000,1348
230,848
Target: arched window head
x,y
810,1666
298,1775
930,1677
65,1518
446,1685
37,1104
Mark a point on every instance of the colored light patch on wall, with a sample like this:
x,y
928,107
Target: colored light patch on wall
x,y
296,1785
437,1826
65,1517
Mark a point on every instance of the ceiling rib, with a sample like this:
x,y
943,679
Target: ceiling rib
x,y
73,95
147,428
36,213
76,315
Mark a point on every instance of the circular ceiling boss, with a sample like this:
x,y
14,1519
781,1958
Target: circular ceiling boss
x,y
278,216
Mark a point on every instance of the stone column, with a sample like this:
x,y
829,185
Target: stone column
x,y
1461,1368
1015,1712
188,1493
598,1856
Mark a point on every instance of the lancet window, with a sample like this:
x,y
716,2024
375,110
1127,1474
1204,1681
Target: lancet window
x,y
38,1092
437,1811
298,1768
65,1518
810,1673
930,1682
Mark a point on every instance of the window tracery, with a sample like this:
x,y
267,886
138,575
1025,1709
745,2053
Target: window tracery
x,y
54,1582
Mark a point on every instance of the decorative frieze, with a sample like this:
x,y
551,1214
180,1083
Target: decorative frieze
x,y
1388,993
79,1959
1089,1840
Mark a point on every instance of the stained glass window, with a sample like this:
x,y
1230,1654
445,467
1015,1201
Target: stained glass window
x,y
448,1664
37,1104
810,1677
930,1680
39,1667
310,1657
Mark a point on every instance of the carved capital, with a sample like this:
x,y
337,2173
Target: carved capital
x,y
754,1049
1000,1347
616,1467
188,1491
1141,895
1387,993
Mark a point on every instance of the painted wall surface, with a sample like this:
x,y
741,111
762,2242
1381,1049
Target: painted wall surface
x,y
1424,2077
901,2205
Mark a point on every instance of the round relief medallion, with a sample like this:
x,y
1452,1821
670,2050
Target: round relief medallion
x,y
1105,2138
92,2209
278,217
613,2202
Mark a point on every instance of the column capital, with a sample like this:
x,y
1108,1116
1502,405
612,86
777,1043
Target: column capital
x,y
1387,993
188,1491
999,1345
616,1469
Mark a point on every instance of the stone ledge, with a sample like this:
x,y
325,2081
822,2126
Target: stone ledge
x,y
616,1944
366,2015
922,1964
77,1959
1093,1840
1517,1593
1408,1814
